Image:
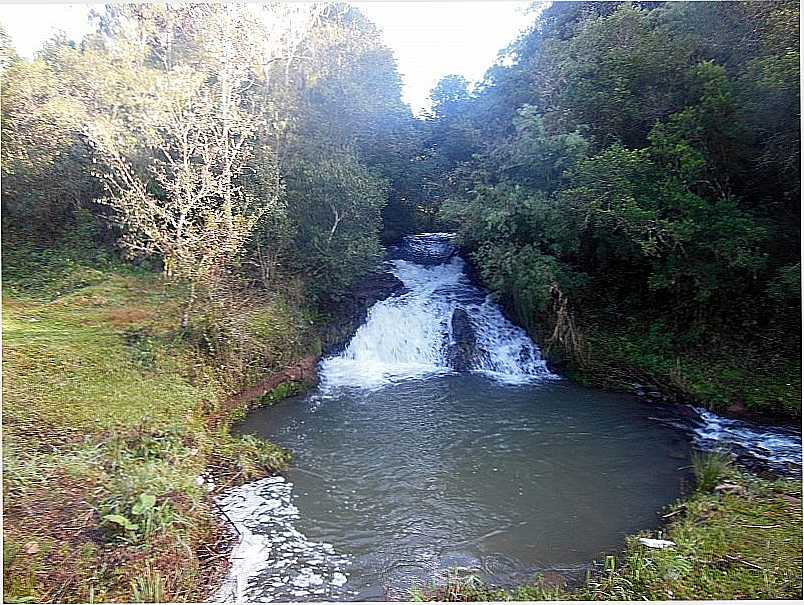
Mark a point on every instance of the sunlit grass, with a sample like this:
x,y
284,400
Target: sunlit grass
x,y
105,404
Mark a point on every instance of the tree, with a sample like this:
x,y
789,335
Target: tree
x,y
335,205
650,147
44,159
196,203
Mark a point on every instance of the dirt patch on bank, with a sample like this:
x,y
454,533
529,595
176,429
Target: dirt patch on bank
x,y
301,372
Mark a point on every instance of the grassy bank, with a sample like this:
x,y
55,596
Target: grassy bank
x,y
106,409
744,542
738,375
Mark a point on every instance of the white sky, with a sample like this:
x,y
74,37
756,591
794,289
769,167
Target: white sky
x,y
430,39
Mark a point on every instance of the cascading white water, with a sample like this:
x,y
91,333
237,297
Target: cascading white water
x,y
778,448
394,481
409,335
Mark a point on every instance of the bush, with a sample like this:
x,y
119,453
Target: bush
x,y
148,475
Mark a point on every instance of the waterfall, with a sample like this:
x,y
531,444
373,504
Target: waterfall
x,y
411,335
366,534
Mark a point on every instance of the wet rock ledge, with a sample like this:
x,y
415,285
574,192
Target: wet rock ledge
x,y
349,312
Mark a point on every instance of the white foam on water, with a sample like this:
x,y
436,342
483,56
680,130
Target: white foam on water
x,y
402,336
513,357
273,561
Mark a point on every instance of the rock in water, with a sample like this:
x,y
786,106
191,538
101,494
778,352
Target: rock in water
x,y
463,349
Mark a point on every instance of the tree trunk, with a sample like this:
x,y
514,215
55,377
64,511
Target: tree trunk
x,y
188,307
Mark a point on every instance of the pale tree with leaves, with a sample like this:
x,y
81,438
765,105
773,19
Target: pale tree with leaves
x,y
194,205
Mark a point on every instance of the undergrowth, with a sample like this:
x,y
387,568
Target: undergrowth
x,y
760,376
709,468
105,408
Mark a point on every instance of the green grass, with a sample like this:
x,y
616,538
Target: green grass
x,y
148,588
729,546
709,468
105,409
744,545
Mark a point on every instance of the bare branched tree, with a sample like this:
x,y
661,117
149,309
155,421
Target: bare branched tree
x,y
192,207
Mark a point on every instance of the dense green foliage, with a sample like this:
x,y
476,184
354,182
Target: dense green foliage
x,y
639,164
626,179
261,144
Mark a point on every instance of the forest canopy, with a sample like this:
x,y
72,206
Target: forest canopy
x,y
212,140
632,160
636,159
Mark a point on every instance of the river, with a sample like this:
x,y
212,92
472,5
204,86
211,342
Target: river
x,y
438,439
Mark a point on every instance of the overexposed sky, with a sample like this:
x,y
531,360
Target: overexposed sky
x,y
430,39
433,39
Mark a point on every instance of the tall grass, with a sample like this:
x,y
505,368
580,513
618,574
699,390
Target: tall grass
x,y
148,587
710,468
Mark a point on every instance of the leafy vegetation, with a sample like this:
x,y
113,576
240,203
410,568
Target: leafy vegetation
x,y
190,188
618,173
227,145
709,468
735,371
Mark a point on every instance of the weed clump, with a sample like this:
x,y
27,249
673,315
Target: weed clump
x,y
709,468
246,458
148,587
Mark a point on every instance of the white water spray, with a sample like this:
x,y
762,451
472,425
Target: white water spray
x,y
409,336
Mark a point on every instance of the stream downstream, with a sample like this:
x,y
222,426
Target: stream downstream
x,y
438,439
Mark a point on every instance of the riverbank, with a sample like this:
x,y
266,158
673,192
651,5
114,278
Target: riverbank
x,y
113,419
742,540
741,377
116,433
